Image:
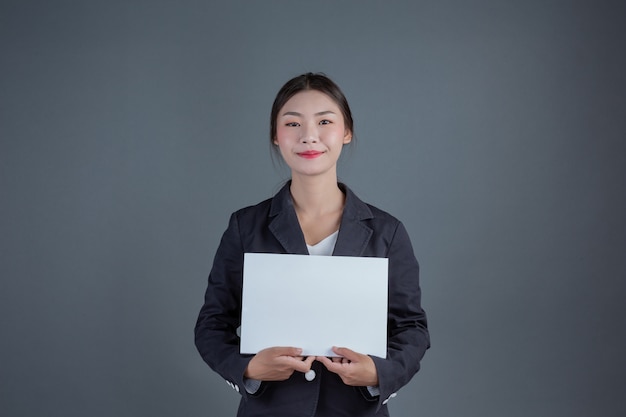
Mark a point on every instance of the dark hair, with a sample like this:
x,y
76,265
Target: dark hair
x,y
310,81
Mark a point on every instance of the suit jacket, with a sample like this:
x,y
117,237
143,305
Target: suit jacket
x,y
272,227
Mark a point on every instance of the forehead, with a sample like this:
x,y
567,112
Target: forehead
x,y
310,101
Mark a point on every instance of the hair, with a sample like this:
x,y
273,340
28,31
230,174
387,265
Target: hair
x,y
305,82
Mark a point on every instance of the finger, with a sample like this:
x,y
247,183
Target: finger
x,y
309,361
324,360
304,358
286,351
302,366
334,367
347,353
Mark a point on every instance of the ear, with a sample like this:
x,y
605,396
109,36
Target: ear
x,y
347,138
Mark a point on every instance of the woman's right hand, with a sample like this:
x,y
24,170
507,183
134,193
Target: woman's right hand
x,y
277,364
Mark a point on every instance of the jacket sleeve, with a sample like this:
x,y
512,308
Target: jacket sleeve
x,y
408,337
216,335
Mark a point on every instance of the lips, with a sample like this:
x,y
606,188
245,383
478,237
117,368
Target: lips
x,y
310,154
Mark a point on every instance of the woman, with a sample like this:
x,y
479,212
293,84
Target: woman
x,y
313,214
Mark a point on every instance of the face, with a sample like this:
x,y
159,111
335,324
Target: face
x,y
310,133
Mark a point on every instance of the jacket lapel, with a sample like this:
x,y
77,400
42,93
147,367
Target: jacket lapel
x,y
354,234
284,223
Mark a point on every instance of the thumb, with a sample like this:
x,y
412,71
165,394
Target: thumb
x,y
346,353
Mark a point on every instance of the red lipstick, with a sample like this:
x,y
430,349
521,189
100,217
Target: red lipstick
x,y
310,154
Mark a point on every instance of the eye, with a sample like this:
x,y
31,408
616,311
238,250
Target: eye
x,y
325,122
292,124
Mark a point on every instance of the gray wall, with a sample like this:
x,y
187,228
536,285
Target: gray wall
x,y
129,130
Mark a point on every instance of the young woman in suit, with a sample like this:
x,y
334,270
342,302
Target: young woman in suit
x,y
313,213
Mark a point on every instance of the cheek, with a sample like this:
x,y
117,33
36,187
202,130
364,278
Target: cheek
x,y
281,141
339,135
281,135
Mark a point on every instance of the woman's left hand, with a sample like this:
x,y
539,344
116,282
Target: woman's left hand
x,y
353,368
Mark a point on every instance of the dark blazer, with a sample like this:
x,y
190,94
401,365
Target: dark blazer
x,y
272,227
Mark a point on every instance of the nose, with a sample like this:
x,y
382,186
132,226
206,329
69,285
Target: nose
x,y
309,133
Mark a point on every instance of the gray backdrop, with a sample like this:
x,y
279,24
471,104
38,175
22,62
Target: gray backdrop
x,y
130,130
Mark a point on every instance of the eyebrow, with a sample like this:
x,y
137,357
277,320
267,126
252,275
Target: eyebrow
x,y
295,113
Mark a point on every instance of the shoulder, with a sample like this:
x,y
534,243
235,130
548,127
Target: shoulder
x,y
382,215
255,211
363,211
384,224
280,201
266,208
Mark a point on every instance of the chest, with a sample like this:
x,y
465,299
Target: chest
x,y
317,228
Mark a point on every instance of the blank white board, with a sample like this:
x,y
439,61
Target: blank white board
x,y
314,303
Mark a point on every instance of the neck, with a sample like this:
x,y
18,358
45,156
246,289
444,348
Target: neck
x,y
316,195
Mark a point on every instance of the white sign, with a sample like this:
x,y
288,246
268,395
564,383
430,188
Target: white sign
x,y
314,303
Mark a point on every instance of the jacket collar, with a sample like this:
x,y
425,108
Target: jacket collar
x,y
354,234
